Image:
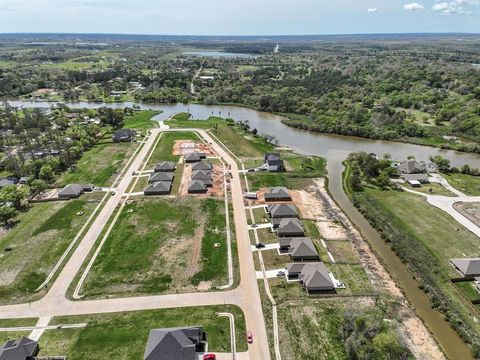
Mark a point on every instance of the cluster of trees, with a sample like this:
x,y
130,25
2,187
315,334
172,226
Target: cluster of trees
x,y
367,167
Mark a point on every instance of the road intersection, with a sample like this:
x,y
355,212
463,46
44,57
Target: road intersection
x,y
246,295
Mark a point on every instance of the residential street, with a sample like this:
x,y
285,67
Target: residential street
x,y
246,295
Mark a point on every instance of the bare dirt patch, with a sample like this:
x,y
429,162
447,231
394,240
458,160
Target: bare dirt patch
x,y
217,190
195,255
185,147
470,210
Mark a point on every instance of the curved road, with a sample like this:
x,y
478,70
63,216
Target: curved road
x,y
246,295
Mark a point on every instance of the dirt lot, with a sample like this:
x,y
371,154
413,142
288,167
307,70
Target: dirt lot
x,y
470,210
184,147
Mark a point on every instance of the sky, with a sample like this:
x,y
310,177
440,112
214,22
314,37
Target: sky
x,y
239,17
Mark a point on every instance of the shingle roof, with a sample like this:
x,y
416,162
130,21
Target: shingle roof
x,y
201,175
173,343
468,266
192,157
159,187
290,226
196,185
202,165
282,210
71,190
303,248
5,182
161,176
165,166
18,349
278,192
314,276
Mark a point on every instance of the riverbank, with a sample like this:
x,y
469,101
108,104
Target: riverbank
x,y
421,236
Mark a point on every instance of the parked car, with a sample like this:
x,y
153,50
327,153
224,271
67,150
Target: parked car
x,y
209,357
280,273
249,337
254,226
260,245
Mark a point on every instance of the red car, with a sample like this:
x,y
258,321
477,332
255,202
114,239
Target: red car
x,y
209,357
249,337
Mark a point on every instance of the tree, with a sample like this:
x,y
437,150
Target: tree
x,y
7,213
46,173
383,180
38,186
13,195
441,163
356,179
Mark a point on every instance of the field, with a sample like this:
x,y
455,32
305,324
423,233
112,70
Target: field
x,y
162,245
431,189
124,335
41,236
470,211
164,149
100,164
468,184
140,120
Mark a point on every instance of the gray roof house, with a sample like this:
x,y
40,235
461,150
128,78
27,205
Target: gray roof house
x,y
278,194
421,178
70,191
197,187
124,135
5,182
175,343
274,163
193,157
164,166
299,248
203,175
202,165
161,176
23,349
282,211
158,188
415,167
314,277
468,267
290,228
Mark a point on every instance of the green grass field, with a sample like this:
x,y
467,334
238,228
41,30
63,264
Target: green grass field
x,y
100,164
468,184
162,245
163,150
39,239
140,120
431,189
123,336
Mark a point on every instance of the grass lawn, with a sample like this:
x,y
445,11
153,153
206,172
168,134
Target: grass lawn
x,y
266,236
354,277
124,335
468,184
311,229
140,120
183,116
342,251
101,164
12,335
41,236
164,149
274,261
162,245
18,322
431,189
468,289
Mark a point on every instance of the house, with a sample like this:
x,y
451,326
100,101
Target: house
x,y
159,188
274,163
6,182
415,167
278,194
414,183
202,165
278,211
175,343
87,187
290,228
124,135
70,191
197,187
23,349
165,166
23,180
421,178
193,157
468,267
314,277
299,248
204,176
161,176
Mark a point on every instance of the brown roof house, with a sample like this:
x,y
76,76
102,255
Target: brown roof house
x,y
23,349
314,277
468,267
299,248
290,228
176,343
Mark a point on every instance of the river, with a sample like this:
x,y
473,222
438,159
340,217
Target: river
x,y
335,149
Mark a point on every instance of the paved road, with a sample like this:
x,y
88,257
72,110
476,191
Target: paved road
x,y
246,296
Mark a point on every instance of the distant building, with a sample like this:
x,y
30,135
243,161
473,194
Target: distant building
x,y
159,188
23,349
197,187
421,178
70,192
194,157
314,277
168,166
124,135
468,267
278,194
6,182
299,248
415,167
176,343
274,163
